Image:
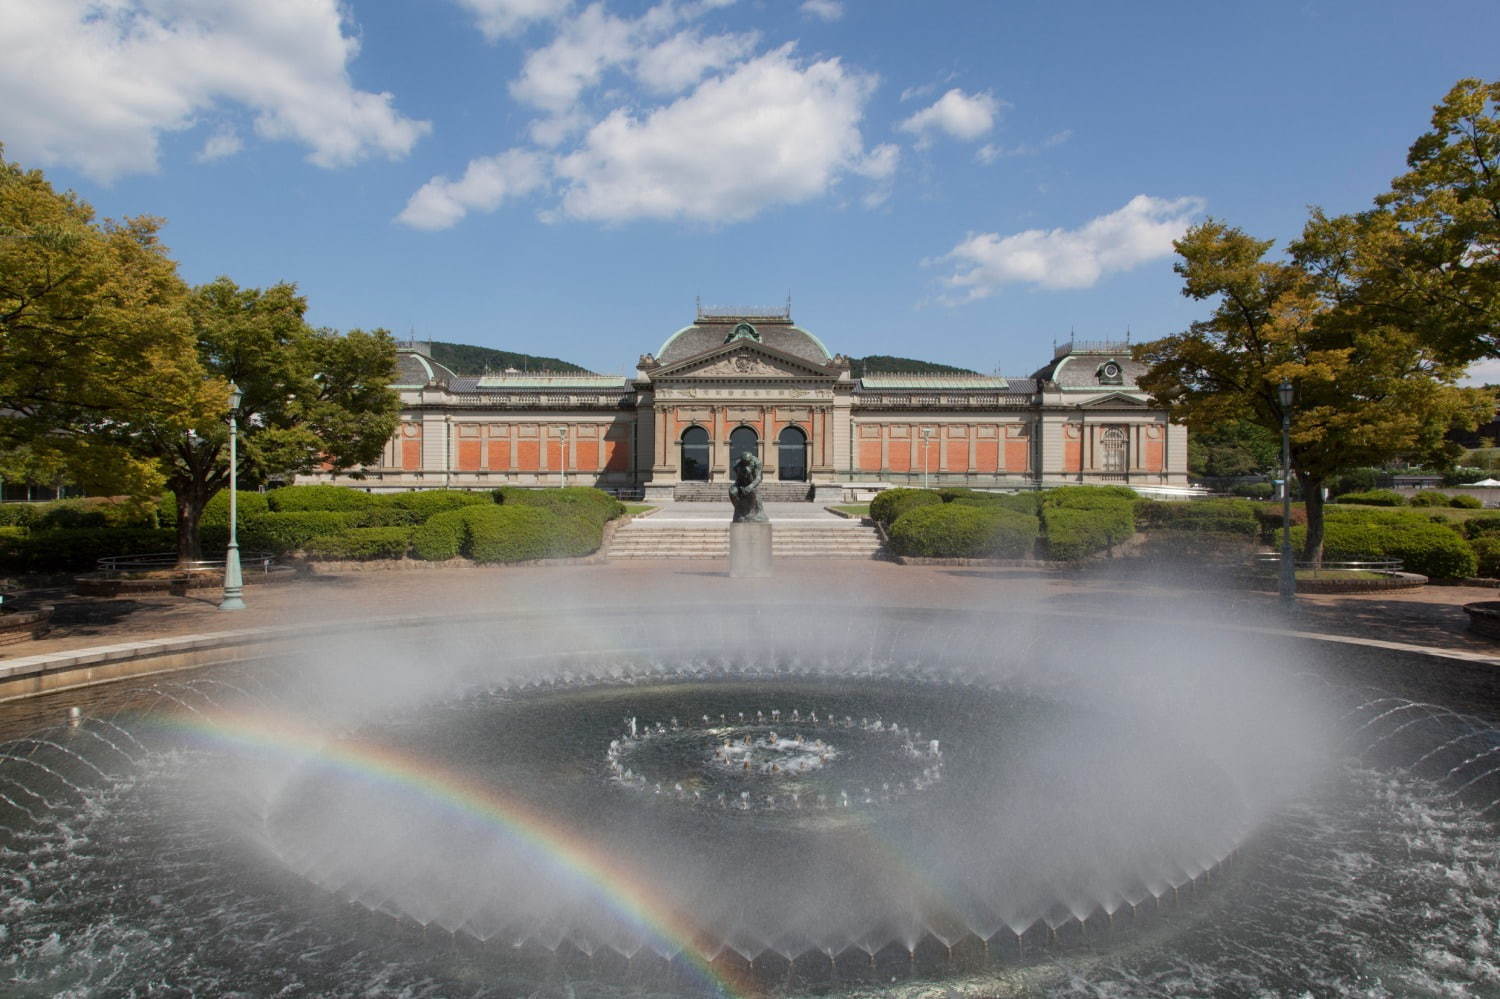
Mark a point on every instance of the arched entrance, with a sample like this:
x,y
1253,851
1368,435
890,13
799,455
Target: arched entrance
x,y
791,455
695,455
1113,449
742,439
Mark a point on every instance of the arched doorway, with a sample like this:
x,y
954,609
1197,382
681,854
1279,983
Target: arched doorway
x,y
791,455
695,454
742,439
1113,449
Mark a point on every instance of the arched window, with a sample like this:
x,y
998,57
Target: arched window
x,y
695,454
1113,450
791,455
742,439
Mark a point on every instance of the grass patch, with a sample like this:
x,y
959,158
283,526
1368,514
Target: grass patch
x,y
853,509
1340,574
636,509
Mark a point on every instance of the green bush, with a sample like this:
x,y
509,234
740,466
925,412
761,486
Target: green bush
x,y
520,533
1356,480
440,537
1463,501
963,530
1088,497
216,510
1487,556
1429,497
361,543
1210,516
1073,533
1424,547
387,516
1481,526
1253,490
290,531
570,501
889,504
94,511
300,499
1375,497
13,531
18,514
80,549
424,503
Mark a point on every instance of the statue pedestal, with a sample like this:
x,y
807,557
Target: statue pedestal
x,y
750,550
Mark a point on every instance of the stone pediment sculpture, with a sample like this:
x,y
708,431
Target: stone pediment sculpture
x,y
742,360
1115,400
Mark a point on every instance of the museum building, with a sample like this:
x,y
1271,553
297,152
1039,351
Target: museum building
x,y
752,380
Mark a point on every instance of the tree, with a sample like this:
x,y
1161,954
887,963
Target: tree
x,y
1231,449
93,325
311,398
1366,391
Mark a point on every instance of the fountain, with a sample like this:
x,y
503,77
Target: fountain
x,y
613,804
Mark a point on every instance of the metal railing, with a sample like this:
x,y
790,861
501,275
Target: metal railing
x,y
115,565
1379,565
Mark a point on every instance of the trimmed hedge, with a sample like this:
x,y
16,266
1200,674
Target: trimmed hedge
x,y
889,504
515,533
247,504
286,532
1210,516
1088,497
1074,533
421,505
80,549
961,530
1463,501
570,501
1375,497
1429,497
1487,556
361,543
1430,549
300,499
441,537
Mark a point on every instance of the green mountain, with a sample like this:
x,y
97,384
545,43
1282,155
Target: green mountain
x,y
464,359
885,364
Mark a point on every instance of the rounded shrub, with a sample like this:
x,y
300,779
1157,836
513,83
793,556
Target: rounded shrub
x,y
361,544
286,532
297,499
569,501
18,514
1430,549
959,530
1072,533
889,504
1088,497
1430,497
1463,501
1487,556
1480,526
1375,497
247,504
521,533
417,506
440,537
1209,516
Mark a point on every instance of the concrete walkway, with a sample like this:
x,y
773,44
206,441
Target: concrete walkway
x,y
1430,618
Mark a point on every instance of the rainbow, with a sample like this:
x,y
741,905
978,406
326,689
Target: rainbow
x,y
627,895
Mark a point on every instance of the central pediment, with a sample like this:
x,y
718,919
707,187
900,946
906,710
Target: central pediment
x,y
743,358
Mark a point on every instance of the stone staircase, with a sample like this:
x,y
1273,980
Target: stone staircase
x,y
835,540
718,492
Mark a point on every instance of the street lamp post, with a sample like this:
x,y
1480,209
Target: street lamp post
x,y
562,460
1288,567
926,445
233,583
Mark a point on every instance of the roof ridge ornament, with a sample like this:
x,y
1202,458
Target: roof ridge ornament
x,y
744,331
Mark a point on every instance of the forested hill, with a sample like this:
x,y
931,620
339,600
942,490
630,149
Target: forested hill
x,y
885,364
463,359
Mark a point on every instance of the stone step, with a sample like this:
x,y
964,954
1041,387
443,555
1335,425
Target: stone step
x,y
711,541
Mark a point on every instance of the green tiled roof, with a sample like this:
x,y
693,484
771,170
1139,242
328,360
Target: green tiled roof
x,y
945,382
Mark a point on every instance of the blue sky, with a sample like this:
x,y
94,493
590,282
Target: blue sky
x,y
959,181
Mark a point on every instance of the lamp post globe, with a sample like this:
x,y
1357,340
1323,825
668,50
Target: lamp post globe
x,y
234,583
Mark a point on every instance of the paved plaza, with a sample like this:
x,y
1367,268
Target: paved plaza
x,y
1430,617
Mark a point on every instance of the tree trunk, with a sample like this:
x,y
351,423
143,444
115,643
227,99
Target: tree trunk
x,y
190,503
1312,502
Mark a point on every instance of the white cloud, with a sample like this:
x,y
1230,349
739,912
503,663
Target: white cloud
x,y
675,64
555,75
771,132
1069,258
94,85
989,153
224,142
500,18
823,10
486,183
960,115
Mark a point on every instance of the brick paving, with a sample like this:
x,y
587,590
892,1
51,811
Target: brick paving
x,y
1431,616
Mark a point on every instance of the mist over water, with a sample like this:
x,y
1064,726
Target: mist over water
x,y
1116,807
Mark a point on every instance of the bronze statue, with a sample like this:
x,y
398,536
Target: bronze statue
x,y
744,491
